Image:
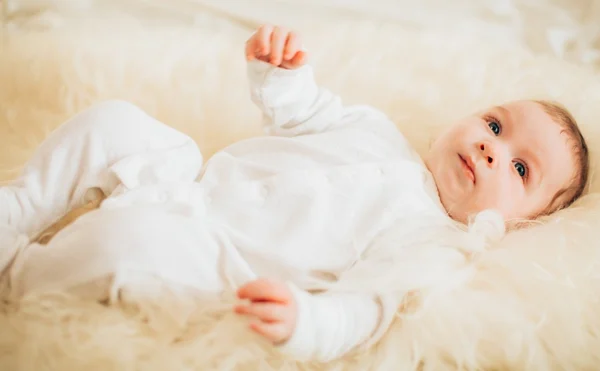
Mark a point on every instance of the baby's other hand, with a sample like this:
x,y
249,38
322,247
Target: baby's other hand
x,y
277,46
272,304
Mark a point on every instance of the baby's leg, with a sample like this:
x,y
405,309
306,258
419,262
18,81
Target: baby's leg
x,y
106,145
112,249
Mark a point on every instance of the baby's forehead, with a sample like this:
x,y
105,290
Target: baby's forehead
x,y
524,108
530,116
541,134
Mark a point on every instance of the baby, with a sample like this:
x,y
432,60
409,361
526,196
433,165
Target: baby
x,y
310,197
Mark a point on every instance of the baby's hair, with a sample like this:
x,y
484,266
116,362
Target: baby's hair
x,y
566,196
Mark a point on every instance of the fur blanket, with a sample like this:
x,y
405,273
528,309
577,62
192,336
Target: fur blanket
x,y
531,300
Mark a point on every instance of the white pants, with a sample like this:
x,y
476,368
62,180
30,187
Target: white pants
x,y
88,152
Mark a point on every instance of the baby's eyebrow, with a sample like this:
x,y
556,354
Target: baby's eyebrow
x,y
506,113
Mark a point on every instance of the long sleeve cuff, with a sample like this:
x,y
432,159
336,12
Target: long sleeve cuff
x,y
291,101
331,324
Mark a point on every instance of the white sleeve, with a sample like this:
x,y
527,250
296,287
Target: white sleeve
x,y
331,324
291,101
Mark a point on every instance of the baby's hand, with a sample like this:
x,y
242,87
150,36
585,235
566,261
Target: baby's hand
x,y
277,46
273,304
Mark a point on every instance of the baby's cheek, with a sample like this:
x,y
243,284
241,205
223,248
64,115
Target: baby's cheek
x,y
500,195
512,201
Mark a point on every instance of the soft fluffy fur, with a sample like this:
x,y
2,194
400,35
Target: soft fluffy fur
x,y
531,301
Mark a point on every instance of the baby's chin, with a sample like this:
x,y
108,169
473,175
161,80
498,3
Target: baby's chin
x,y
460,210
467,216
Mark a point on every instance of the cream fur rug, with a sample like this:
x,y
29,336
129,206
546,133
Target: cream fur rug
x,y
533,303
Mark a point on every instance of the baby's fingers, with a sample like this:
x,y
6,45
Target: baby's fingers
x,y
275,332
267,312
265,290
263,40
292,46
278,41
251,49
298,60
259,44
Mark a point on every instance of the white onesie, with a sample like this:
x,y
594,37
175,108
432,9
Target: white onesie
x,y
307,199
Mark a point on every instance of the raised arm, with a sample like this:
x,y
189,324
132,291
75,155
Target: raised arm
x,y
284,88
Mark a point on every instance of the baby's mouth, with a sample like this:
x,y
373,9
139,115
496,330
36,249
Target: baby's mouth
x,y
468,168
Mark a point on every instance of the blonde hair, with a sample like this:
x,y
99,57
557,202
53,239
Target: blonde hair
x,y
573,191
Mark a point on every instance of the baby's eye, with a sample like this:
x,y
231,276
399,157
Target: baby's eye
x,y
521,169
495,127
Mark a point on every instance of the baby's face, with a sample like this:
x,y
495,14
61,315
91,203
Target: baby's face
x,y
512,158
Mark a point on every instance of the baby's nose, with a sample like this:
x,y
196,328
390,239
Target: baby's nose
x,y
488,154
